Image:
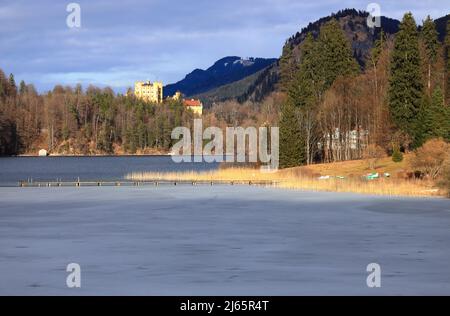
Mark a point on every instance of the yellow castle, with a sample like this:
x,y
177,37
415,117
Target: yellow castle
x,y
153,92
148,91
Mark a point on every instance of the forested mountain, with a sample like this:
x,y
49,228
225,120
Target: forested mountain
x,y
441,25
352,93
354,25
256,86
352,22
224,71
252,88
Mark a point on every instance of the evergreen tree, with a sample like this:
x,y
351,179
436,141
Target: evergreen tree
x,y
335,55
3,85
406,88
304,95
423,122
378,46
434,117
438,120
22,87
288,67
430,40
397,155
12,85
302,89
142,135
2,90
375,53
291,140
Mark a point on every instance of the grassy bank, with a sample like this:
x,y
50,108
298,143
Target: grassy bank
x,y
301,178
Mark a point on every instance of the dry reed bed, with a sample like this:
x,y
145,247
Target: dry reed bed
x,y
295,179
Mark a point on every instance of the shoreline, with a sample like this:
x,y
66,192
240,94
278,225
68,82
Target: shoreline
x,y
285,186
310,178
294,180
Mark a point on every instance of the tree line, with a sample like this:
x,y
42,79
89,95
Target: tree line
x,y
69,120
73,120
333,110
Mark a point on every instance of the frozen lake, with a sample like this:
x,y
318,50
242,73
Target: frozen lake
x,y
87,168
220,240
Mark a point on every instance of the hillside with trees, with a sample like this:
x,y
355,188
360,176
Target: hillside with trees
x,y
397,101
94,121
253,88
72,121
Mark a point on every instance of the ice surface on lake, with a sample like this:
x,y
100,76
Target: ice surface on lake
x,y
220,240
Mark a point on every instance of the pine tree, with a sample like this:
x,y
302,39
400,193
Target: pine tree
x,y
22,87
397,155
437,116
378,46
12,86
424,122
291,140
335,54
434,117
302,90
430,40
3,86
288,67
304,95
406,88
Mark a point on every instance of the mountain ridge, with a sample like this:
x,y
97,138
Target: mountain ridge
x,y
224,71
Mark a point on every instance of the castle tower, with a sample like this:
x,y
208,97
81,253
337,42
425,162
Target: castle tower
x,y
152,92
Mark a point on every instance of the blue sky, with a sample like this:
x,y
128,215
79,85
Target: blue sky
x,y
123,41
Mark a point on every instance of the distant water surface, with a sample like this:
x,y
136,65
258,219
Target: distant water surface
x,y
15,169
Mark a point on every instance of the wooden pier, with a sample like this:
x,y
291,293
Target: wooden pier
x,y
120,183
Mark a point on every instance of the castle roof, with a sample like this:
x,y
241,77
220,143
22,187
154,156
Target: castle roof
x,y
192,102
